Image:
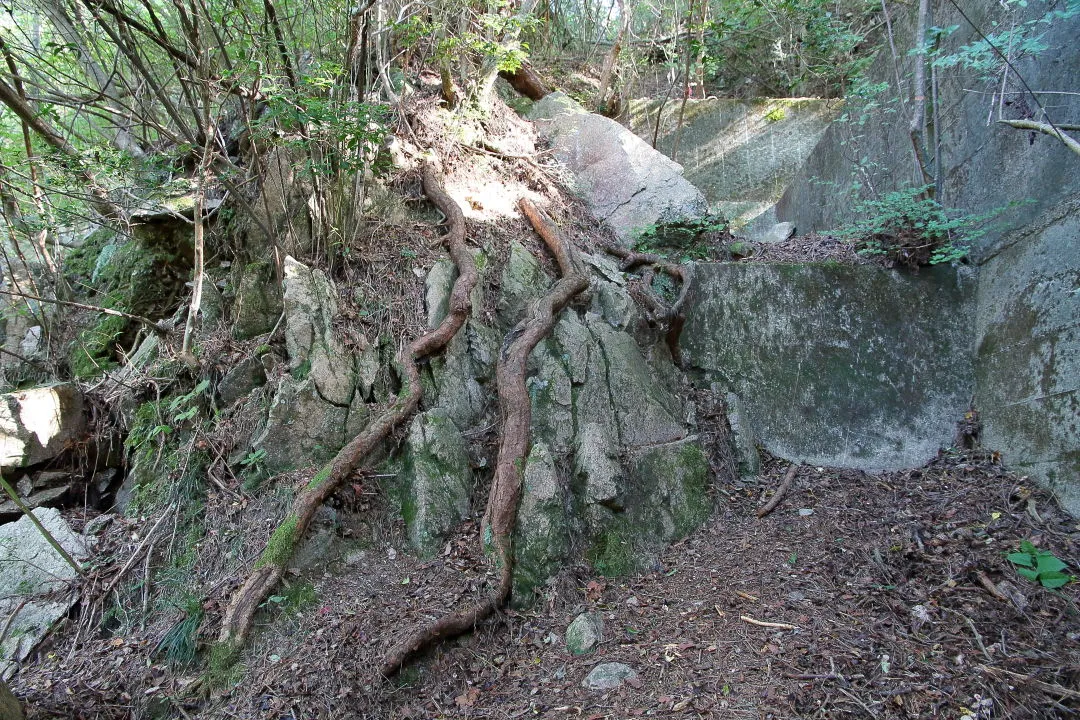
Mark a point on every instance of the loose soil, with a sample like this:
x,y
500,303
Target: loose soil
x,y
882,583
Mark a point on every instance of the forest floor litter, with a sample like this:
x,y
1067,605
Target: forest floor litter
x,y
884,595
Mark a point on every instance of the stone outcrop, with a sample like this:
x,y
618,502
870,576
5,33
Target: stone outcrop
x,y
34,582
741,154
319,406
623,180
437,479
615,468
1024,330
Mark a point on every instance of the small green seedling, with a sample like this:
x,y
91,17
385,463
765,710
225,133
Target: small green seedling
x,y
1040,566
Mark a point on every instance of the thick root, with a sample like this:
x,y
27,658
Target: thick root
x,y
673,316
272,564
515,411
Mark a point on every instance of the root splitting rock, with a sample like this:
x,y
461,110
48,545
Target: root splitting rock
x,y
515,412
271,566
673,316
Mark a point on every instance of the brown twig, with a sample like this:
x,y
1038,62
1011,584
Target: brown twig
x,y
515,410
138,552
764,624
780,492
156,327
989,586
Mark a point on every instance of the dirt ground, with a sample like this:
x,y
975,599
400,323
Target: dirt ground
x,y
894,594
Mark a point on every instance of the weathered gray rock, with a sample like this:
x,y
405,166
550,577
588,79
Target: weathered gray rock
x,y
317,549
585,633
314,349
241,379
672,479
31,571
438,284
742,434
437,480
1026,387
552,399
523,280
609,676
623,180
741,154
10,708
827,370
1027,364
39,423
541,539
47,497
301,427
257,304
463,375
647,409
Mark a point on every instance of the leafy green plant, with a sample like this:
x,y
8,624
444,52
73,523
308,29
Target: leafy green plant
x,y
908,227
1040,566
687,240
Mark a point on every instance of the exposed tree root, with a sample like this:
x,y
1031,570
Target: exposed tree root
x,y
515,410
672,316
279,549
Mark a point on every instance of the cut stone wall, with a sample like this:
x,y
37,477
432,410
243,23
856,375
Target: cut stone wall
x,y
850,366
740,154
1025,330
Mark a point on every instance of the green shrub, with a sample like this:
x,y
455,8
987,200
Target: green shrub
x,y
909,227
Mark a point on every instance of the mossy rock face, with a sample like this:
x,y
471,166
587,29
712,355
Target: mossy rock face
x,y
437,480
258,302
93,351
542,538
132,276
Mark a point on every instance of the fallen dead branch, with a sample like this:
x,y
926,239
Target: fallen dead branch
x,y
274,560
764,624
780,492
515,410
138,552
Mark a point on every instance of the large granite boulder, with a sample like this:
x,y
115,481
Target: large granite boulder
x,y
40,423
623,180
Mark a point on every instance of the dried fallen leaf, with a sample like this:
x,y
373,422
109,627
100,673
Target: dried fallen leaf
x,y
467,698
594,590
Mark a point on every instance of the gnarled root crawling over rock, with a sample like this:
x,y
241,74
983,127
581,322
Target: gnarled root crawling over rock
x,y
515,412
279,549
671,316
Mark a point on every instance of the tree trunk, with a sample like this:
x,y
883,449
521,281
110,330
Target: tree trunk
x,y
526,81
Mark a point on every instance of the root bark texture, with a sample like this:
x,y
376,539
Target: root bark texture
x,y
671,316
274,561
515,412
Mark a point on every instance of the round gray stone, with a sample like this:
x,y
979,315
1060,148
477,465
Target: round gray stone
x,y
584,633
609,676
